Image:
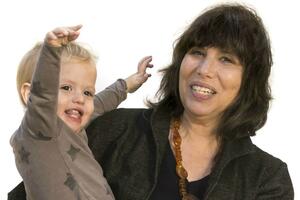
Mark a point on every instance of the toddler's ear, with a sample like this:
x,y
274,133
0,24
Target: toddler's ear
x,y
25,92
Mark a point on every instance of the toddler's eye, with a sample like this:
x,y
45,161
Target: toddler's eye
x,y
66,87
88,93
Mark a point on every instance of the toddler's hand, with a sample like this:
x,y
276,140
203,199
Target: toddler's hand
x,y
137,79
62,35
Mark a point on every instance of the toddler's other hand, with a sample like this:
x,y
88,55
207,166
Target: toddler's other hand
x,y
141,76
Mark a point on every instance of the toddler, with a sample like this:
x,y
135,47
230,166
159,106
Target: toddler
x,y
50,146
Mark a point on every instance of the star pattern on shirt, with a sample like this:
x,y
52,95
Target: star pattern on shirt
x,y
24,155
73,152
70,182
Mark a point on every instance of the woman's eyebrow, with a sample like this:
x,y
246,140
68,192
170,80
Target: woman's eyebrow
x,y
229,53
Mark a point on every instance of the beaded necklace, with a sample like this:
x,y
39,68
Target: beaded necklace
x,y
180,170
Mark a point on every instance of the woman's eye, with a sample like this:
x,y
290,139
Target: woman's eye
x,y
88,93
66,87
226,60
197,52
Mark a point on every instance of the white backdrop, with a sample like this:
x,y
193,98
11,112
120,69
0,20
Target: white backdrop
x,y
120,33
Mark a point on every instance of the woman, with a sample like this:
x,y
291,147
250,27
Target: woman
x,y
213,96
194,143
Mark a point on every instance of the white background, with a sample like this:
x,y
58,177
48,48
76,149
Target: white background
x,y
120,33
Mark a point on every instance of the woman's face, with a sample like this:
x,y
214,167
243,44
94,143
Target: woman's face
x,y
209,80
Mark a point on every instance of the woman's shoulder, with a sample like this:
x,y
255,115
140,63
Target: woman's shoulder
x,y
261,172
114,124
244,152
264,166
266,159
121,115
271,172
249,159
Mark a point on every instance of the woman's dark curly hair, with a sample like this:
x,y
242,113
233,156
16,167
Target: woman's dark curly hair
x,y
237,29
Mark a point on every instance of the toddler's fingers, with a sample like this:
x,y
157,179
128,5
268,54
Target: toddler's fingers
x,y
73,36
75,28
67,31
144,63
61,31
145,59
144,78
51,36
149,65
73,32
147,75
64,40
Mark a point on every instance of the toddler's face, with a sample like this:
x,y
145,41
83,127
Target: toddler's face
x,y
76,92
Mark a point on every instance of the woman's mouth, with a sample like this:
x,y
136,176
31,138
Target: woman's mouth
x,y
202,90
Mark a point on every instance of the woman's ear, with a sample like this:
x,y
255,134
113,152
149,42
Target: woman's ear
x,y
25,92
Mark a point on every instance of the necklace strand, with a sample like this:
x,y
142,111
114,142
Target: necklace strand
x,y
180,170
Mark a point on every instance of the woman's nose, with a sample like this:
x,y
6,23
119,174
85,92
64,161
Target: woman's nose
x,y
207,67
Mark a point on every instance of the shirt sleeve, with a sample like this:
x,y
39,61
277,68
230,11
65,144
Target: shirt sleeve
x,y
40,120
110,98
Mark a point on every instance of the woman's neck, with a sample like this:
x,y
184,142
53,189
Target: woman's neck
x,y
198,127
199,146
199,136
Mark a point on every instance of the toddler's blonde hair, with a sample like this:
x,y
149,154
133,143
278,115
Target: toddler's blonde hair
x,y
29,61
